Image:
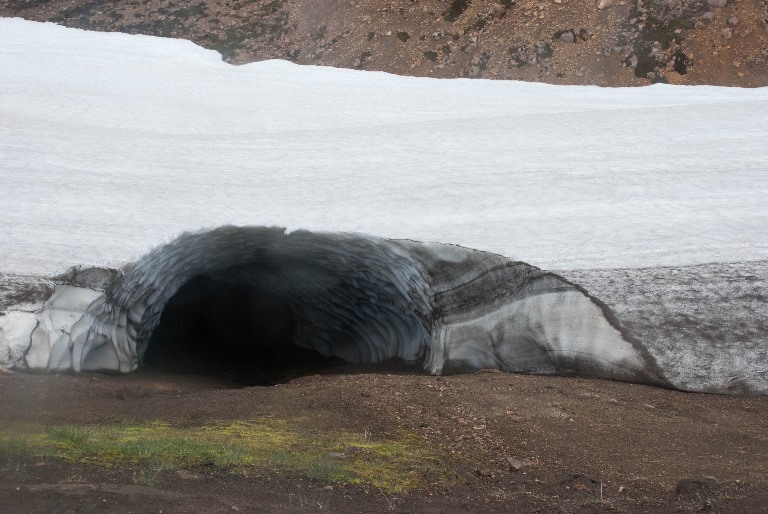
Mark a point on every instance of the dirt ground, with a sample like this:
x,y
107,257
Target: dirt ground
x,y
581,445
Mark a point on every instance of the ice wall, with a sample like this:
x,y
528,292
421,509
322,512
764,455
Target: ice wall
x,y
359,298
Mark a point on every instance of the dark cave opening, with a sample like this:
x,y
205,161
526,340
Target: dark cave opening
x,y
244,332
239,330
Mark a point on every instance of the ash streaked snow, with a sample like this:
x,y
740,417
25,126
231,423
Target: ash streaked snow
x,y
111,144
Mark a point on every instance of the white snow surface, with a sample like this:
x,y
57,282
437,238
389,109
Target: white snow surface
x,y
111,144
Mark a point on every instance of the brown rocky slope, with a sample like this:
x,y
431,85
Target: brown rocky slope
x,y
600,42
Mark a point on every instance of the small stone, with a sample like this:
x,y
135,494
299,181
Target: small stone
x,y
733,21
328,488
603,4
763,23
187,475
726,33
717,3
517,465
470,48
567,37
709,15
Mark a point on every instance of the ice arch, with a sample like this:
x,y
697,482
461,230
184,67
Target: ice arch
x,y
359,298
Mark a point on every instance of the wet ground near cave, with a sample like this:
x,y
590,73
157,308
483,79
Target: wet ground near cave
x,y
505,443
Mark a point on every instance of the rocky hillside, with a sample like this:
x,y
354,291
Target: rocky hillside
x,y
602,42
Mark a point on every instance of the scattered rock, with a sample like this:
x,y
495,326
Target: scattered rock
x,y
567,37
717,3
696,485
602,4
726,33
470,48
709,15
733,21
403,36
517,465
483,473
763,23
543,49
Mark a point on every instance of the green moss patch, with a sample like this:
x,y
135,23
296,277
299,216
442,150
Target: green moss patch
x,y
394,465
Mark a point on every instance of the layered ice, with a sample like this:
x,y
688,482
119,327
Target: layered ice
x,y
357,298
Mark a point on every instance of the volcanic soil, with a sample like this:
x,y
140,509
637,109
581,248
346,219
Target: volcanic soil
x,y
497,443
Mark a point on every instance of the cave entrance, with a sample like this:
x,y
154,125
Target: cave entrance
x,y
241,331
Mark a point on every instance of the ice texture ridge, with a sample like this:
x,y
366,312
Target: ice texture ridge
x,y
359,298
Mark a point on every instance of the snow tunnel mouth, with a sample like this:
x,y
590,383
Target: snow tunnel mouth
x,y
244,332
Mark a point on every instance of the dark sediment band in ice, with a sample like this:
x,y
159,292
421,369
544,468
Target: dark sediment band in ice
x,y
258,294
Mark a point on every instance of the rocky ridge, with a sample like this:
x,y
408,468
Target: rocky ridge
x,y
597,42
